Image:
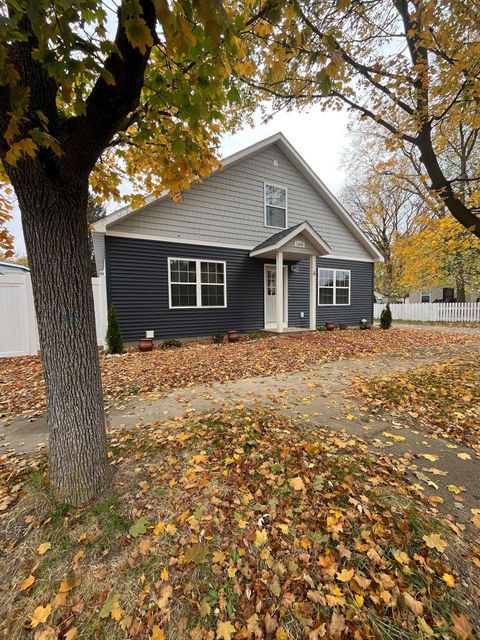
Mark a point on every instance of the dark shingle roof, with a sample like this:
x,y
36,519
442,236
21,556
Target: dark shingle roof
x,y
272,240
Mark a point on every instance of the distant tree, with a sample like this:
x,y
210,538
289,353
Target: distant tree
x,y
440,253
410,66
384,204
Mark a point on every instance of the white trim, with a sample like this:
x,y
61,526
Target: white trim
x,y
297,160
207,243
273,325
305,227
198,243
198,282
312,281
334,288
335,257
277,186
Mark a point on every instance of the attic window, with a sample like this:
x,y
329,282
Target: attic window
x,y
275,206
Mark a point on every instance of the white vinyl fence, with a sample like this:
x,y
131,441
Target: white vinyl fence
x,y
433,312
18,324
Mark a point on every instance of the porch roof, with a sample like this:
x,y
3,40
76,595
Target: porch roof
x,y
285,241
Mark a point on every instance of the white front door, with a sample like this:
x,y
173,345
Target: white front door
x,y
271,296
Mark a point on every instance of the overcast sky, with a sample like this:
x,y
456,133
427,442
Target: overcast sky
x,y
319,137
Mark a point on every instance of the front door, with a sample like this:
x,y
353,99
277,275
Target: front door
x,y
271,296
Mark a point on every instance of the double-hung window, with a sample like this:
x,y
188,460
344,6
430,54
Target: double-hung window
x,y
333,286
275,206
196,283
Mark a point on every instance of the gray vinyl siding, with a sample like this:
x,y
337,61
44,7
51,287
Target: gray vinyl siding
x,y
361,295
137,285
228,208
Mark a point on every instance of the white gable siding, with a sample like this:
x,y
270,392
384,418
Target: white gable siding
x,y
229,208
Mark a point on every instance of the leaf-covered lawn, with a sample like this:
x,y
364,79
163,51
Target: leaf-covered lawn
x,y
443,398
235,525
134,373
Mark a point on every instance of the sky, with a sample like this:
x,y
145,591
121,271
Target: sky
x,y
319,136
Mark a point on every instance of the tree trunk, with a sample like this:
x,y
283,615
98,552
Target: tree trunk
x,y
55,228
460,288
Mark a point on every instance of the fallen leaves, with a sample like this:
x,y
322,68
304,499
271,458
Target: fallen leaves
x,y
225,630
435,541
133,373
43,548
40,615
235,525
444,397
27,583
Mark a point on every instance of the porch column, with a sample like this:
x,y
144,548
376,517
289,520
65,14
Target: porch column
x,y
279,291
313,292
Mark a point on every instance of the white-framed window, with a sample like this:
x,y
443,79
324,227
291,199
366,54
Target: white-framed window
x,y
275,206
196,283
334,287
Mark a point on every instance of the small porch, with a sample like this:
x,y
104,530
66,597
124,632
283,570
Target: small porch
x,y
295,244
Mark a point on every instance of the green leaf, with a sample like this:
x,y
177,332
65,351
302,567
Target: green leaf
x,y
197,553
110,603
139,528
275,589
138,34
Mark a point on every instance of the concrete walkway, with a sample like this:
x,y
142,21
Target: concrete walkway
x,y
320,395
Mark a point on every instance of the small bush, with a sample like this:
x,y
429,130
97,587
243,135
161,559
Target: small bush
x,y
386,318
114,334
254,335
171,343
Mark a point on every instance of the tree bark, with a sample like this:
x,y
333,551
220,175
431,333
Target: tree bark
x,y
55,228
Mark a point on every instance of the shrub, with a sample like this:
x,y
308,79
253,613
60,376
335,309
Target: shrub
x,y
114,334
218,338
386,318
171,343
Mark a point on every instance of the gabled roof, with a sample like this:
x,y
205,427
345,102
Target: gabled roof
x,y
278,240
295,158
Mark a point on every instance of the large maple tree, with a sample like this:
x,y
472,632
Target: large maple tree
x,y
93,92
411,66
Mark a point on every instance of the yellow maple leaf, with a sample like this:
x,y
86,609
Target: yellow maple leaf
x,y
164,574
159,528
464,456
157,633
71,634
296,483
260,537
448,579
435,541
218,556
429,456
43,548
40,615
401,557
454,489
225,630
25,584
345,575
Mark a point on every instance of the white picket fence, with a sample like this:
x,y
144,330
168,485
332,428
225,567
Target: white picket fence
x,y
18,323
432,311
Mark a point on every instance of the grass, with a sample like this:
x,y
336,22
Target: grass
x,y
243,518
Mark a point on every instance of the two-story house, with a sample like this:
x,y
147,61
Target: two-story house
x,y
260,244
